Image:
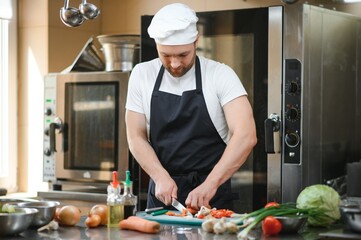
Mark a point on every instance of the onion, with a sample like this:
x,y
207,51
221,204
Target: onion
x,y
68,215
92,221
102,211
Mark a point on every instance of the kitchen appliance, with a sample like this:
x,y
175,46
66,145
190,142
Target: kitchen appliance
x,y
300,65
121,51
84,128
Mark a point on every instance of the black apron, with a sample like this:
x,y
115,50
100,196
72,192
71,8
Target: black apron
x,y
186,141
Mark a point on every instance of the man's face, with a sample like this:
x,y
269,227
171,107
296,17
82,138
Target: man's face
x,y
177,59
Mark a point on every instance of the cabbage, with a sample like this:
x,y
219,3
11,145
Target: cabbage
x,y
322,198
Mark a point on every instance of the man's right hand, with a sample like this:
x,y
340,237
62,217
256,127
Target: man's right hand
x,y
165,190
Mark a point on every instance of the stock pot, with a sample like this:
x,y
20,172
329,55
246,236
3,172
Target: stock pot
x,y
122,52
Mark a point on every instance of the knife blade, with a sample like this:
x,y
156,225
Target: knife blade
x,y
180,207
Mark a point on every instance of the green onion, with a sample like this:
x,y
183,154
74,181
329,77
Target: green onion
x,y
285,209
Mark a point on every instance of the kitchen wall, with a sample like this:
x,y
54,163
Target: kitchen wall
x,y
47,45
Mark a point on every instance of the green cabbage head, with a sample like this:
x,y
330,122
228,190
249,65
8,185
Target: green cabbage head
x,y
324,200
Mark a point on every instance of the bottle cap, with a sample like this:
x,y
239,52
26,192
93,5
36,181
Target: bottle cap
x,y
127,181
115,182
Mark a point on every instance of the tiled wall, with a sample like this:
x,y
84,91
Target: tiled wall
x,y
47,45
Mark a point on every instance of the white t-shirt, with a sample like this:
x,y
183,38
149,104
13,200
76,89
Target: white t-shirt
x,y
220,85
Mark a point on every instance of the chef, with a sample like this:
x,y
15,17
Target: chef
x,y
189,123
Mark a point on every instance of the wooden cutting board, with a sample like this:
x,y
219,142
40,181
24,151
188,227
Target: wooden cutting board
x,y
171,219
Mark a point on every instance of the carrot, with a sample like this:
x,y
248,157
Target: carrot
x,y
140,225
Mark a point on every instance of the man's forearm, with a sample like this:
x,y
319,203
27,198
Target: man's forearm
x,y
147,159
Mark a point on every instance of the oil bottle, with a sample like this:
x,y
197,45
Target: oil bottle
x,y
115,207
129,200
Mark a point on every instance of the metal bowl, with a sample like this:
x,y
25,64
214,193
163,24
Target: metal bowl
x,y
351,216
17,222
46,211
291,224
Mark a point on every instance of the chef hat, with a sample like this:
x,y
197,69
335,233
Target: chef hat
x,y
174,24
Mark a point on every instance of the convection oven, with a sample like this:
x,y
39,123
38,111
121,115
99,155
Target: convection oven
x,y
300,65
84,127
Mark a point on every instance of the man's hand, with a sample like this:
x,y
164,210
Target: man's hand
x,y
165,190
201,196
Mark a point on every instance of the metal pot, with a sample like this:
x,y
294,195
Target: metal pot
x,y
46,211
351,216
14,223
122,52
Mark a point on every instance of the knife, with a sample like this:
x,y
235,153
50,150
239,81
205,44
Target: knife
x,y
151,210
180,207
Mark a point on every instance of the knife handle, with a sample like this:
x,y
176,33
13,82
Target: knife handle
x,y
150,210
159,212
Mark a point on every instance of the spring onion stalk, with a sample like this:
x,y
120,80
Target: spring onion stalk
x,y
286,209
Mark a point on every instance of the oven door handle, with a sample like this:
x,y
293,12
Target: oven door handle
x,y
272,127
56,125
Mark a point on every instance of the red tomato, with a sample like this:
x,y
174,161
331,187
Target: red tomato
x,y
272,204
221,213
200,216
271,226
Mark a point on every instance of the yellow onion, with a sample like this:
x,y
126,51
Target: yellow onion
x,y
68,215
92,221
102,211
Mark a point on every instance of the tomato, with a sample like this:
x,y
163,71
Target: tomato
x,y
200,216
221,213
272,204
271,226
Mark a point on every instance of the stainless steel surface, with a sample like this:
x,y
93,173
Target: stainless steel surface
x,y
14,223
326,43
121,51
46,211
352,217
93,158
167,231
89,59
70,16
74,195
274,168
88,10
291,224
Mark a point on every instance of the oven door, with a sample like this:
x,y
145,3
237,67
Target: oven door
x,y
88,136
250,42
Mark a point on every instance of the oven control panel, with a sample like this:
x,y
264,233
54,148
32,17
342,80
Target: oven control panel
x,y
49,116
292,112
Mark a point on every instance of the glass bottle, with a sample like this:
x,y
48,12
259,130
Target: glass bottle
x,y
115,207
129,200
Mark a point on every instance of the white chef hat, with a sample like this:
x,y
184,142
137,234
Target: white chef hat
x,y
174,24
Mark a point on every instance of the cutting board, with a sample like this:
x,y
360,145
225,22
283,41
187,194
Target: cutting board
x,y
171,219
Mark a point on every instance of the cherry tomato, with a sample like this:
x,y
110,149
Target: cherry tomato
x,y
272,204
200,216
271,226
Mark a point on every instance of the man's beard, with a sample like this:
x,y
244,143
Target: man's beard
x,y
181,71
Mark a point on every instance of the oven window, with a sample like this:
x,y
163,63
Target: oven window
x,y
91,126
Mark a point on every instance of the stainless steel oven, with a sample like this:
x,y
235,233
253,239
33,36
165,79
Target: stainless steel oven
x,y
84,128
301,67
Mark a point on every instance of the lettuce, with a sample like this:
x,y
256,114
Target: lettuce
x,y
323,199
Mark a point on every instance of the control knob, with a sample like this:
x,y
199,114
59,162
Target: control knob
x,y
48,112
47,152
293,88
292,114
292,139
